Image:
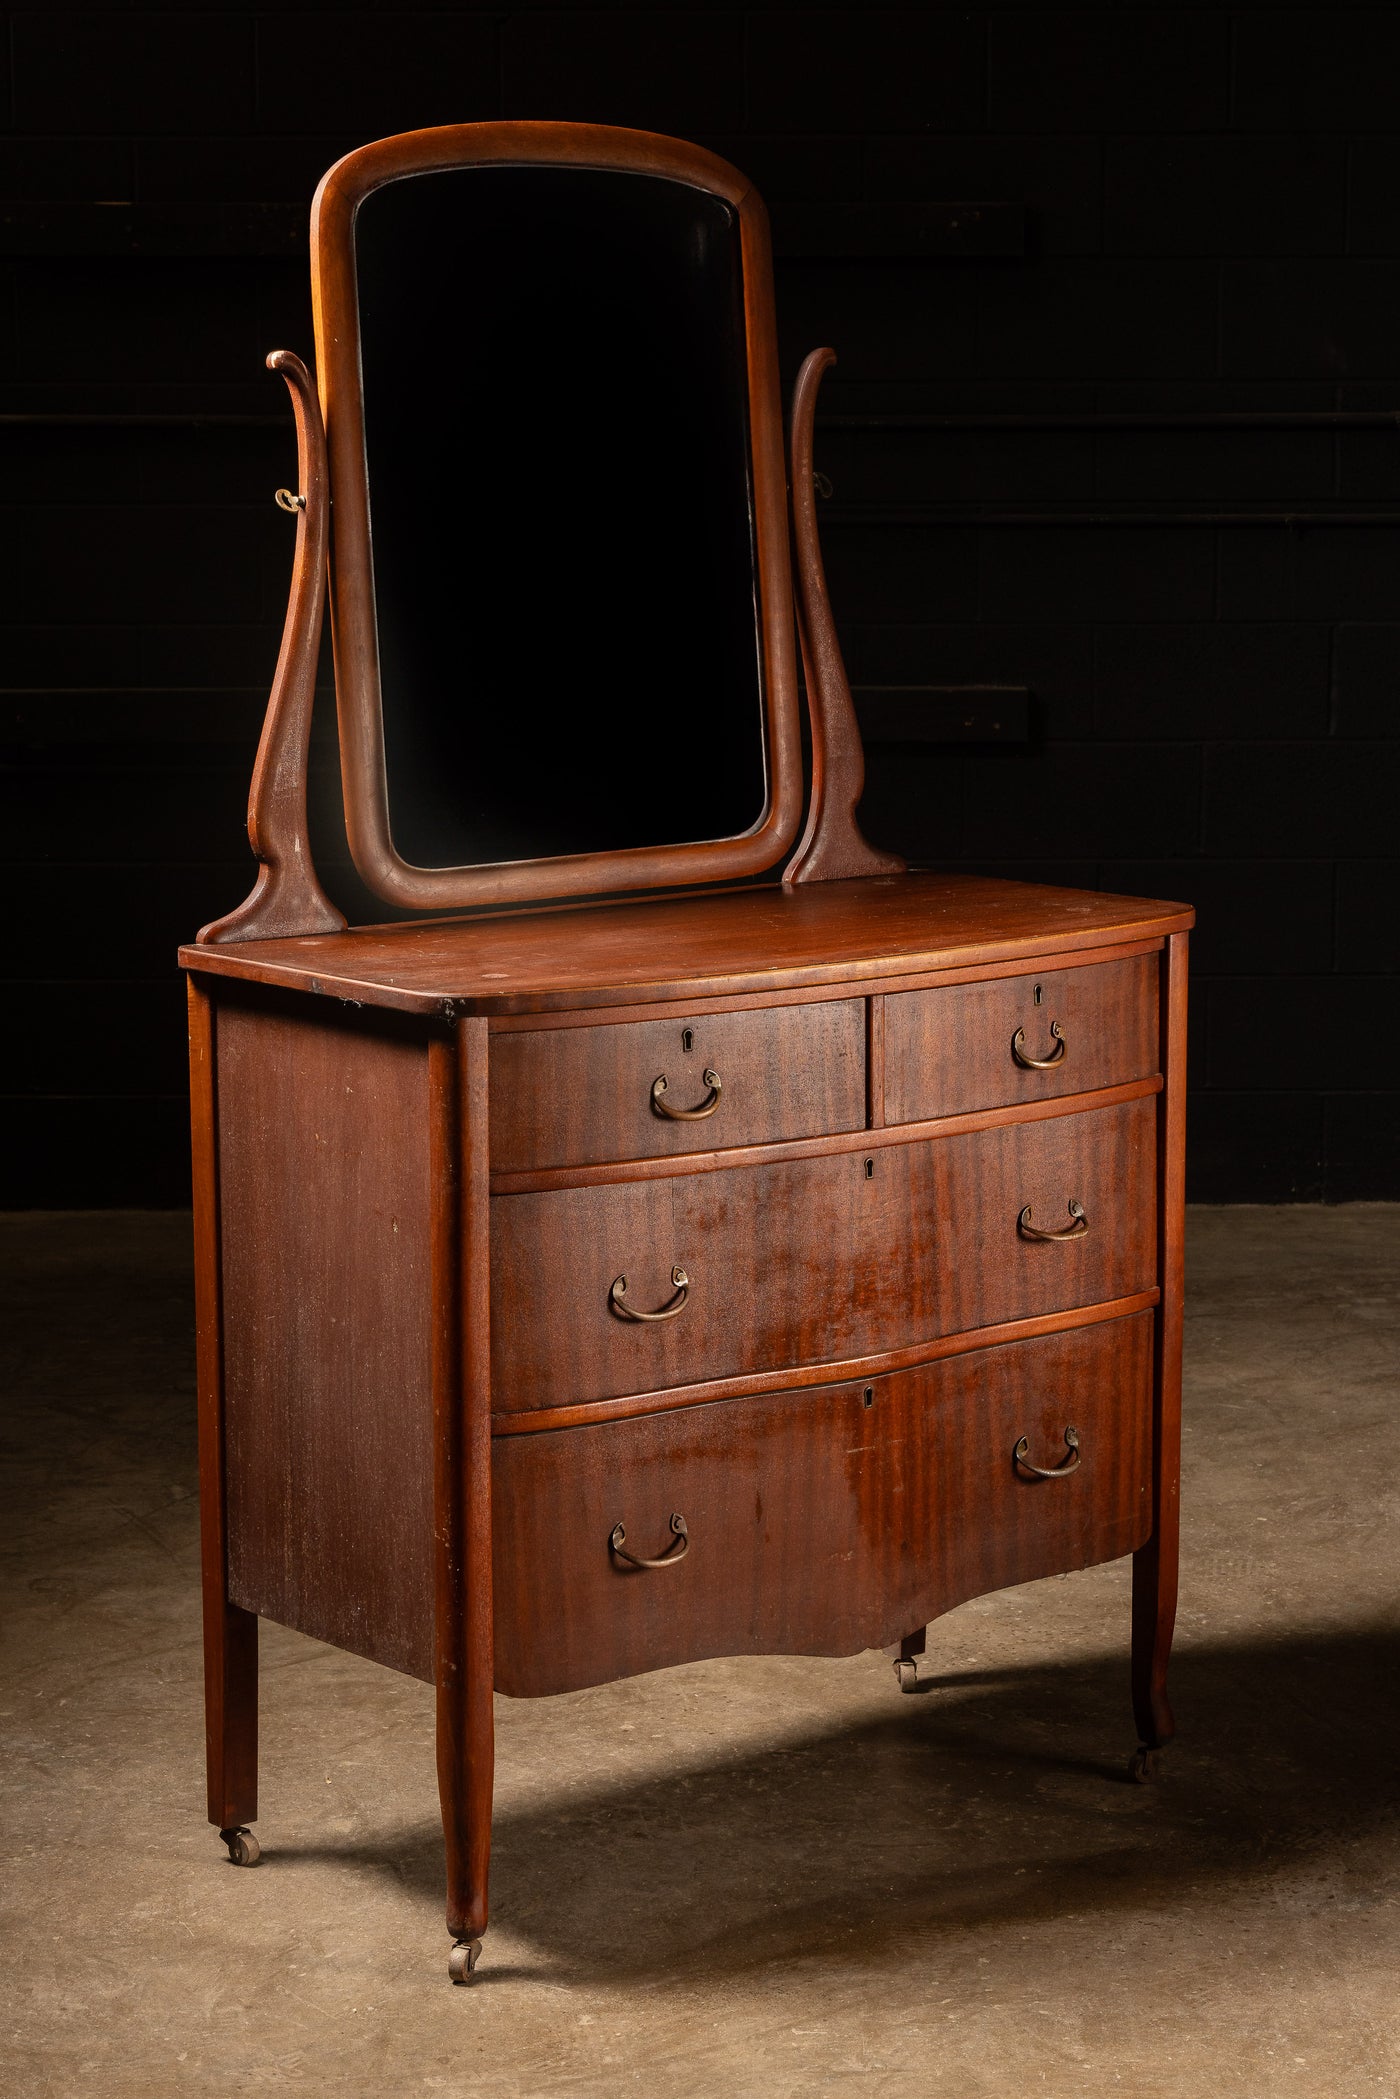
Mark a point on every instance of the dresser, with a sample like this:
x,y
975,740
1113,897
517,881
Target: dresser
x,y
593,1283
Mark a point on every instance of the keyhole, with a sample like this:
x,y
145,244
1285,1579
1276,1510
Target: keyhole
x,y
870,1169
869,1395
1039,994
688,1036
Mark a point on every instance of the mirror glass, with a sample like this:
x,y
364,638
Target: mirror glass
x,y
557,447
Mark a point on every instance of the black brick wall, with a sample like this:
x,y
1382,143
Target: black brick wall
x,y
1212,203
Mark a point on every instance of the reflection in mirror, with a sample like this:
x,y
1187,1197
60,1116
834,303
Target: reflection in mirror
x,y
556,432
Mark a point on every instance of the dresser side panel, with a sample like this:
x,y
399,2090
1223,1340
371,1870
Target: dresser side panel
x,y
323,1162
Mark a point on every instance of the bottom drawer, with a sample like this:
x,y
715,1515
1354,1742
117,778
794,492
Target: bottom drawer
x,y
821,1521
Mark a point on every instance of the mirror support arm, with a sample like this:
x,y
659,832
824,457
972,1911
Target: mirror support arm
x,y
833,847
287,898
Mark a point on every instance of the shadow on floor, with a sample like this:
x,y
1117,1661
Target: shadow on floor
x,y
998,1797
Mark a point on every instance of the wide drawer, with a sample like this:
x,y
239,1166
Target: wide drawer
x,y
820,1521
959,1047
815,1260
583,1096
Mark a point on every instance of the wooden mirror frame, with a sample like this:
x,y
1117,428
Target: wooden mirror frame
x,y
359,700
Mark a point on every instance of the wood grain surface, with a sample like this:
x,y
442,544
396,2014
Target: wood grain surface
x,y
578,1095
819,1522
867,1140
323,1167
287,897
535,1421
817,1260
761,939
230,1634
832,846
1155,1567
950,1050
463,1613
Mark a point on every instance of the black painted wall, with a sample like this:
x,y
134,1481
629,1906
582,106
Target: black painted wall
x,y
1210,226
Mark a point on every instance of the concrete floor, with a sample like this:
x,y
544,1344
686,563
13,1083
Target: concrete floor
x,y
745,1879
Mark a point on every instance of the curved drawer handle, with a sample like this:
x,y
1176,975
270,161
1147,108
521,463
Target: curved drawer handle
x,y
674,1553
660,1106
1048,1472
624,1311
1076,1230
1056,1056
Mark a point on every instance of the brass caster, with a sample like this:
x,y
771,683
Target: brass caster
x,y
1142,1766
463,1959
243,1847
906,1674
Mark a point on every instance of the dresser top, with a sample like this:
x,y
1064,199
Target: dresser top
x,y
677,947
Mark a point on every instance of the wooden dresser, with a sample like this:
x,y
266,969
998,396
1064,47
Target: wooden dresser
x,y
822,1246
589,1283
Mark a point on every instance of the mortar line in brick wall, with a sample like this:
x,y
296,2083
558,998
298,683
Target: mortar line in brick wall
x,y
1203,419
928,514
1250,419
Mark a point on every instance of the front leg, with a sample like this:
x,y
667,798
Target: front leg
x,y
230,1634
1155,1563
906,1658
464,1645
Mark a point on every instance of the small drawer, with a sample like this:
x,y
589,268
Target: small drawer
x,y
821,1521
649,1089
959,1047
643,1285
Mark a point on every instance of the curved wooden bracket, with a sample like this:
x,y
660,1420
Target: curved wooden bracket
x,y
287,898
832,848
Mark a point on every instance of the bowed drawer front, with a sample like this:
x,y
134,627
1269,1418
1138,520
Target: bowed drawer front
x,y
959,1047
816,1260
818,1521
649,1089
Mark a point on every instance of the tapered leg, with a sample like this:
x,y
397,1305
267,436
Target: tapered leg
x,y
1154,1617
231,1717
464,1649
1155,1564
230,1635
906,1658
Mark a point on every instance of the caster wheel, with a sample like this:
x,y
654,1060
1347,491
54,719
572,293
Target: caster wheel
x,y
1142,1767
463,1959
906,1675
243,1847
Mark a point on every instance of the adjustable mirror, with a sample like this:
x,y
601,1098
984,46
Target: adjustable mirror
x,y
561,598
565,647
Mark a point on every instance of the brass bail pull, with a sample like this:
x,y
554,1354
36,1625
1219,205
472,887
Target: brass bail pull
x,y
1075,1230
1030,1063
618,1293
674,1553
285,500
661,1106
1069,1463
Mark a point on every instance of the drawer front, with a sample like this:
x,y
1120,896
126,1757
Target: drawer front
x,y
583,1096
960,1047
821,1521
813,1261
